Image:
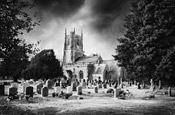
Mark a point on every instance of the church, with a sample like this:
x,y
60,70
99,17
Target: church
x,y
77,65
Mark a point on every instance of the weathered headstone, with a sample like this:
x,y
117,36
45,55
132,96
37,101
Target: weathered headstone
x,y
39,87
74,86
69,89
169,91
79,92
152,85
116,93
29,91
160,84
2,90
12,91
57,90
100,86
84,85
104,86
44,91
139,87
49,83
96,89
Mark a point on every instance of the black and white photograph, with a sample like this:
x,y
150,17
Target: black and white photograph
x,y
87,57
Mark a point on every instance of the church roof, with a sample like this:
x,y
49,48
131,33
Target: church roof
x,y
100,68
87,59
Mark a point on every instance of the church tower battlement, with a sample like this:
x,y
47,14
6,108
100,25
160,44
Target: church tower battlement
x,y
73,47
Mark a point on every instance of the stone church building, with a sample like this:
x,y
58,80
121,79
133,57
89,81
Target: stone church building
x,y
77,65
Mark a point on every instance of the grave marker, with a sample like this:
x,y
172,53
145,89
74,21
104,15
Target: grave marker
x,y
39,87
44,92
79,92
116,93
12,91
2,90
57,90
96,89
29,91
49,83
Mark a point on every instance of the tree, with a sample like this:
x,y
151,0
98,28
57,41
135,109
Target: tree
x,y
14,50
149,40
43,65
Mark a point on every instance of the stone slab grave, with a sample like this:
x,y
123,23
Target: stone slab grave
x,y
96,89
57,90
2,89
74,86
49,83
12,91
79,90
39,87
29,91
44,91
116,93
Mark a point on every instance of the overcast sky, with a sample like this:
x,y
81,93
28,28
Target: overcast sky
x,y
100,20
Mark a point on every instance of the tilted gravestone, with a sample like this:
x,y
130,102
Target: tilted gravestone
x,y
49,83
29,91
39,87
116,93
57,90
74,86
12,91
96,89
2,90
44,92
79,92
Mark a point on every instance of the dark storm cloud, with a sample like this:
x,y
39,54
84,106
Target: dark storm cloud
x,y
60,8
108,11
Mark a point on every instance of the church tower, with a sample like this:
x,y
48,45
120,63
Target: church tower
x,y
73,47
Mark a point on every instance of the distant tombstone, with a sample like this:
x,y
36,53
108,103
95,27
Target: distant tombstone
x,y
74,86
57,90
84,85
116,93
152,85
12,91
160,84
96,89
100,86
39,87
104,86
69,89
14,85
2,91
139,87
90,85
49,83
169,91
79,92
29,91
44,91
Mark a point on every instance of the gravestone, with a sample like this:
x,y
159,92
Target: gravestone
x,y
2,90
139,85
74,86
39,87
96,89
29,91
160,84
84,85
79,92
44,91
116,93
169,91
57,90
100,86
12,91
69,89
104,86
49,83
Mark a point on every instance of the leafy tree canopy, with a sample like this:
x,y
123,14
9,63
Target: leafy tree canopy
x,y
43,65
147,51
